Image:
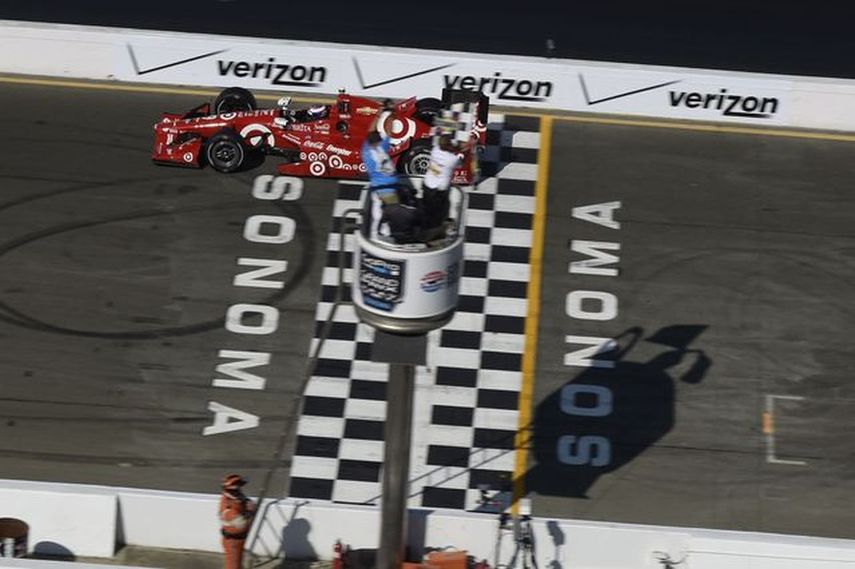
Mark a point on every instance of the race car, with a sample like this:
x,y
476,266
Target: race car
x,y
321,141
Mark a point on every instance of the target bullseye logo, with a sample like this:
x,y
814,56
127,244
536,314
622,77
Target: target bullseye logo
x,y
336,161
317,169
397,129
188,156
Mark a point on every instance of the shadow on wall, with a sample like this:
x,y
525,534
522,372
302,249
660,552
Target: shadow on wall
x,y
52,551
291,543
605,417
295,541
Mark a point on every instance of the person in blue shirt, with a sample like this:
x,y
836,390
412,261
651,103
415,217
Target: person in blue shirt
x,y
382,176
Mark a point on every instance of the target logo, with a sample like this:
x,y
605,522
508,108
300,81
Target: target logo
x,y
362,168
188,156
396,129
256,133
228,116
335,161
317,169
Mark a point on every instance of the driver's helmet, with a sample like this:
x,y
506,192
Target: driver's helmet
x,y
318,111
283,102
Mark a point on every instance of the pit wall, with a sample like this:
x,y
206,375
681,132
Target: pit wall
x,y
90,520
139,56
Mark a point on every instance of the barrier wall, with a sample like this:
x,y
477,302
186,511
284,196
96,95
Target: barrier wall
x,y
539,83
88,520
63,518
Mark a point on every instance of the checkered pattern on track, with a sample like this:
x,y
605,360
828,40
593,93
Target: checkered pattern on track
x,y
466,400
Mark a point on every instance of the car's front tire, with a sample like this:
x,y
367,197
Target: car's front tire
x,y
234,99
225,152
415,161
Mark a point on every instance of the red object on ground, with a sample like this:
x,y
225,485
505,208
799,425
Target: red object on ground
x,y
336,558
447,559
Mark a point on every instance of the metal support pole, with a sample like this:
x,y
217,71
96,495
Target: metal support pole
x,y
396,466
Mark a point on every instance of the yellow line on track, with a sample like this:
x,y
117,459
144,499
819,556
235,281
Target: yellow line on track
x,y
129,87
813,135
106,86
523,436
647,123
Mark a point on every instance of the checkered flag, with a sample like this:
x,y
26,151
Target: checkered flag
x,y
458,121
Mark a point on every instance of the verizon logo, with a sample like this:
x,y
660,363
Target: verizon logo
x,y
277,73
506,88
730,105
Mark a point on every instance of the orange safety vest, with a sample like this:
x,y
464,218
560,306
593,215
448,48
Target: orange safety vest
x,y
236,515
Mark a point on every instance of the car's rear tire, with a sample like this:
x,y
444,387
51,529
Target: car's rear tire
x,y
428,109
415,161
234,99
225,152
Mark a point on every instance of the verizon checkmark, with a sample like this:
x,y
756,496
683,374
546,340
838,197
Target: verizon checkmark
x,y
394,79
167,65
619,95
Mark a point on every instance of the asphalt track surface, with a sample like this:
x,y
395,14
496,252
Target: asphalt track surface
x,y
116,278
794,38
735,283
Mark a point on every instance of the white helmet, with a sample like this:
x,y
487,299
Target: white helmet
x,y
284,102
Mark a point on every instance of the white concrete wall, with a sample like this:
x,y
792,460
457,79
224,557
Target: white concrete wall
x,y
174,520
72,51
63,518
140,56
83,520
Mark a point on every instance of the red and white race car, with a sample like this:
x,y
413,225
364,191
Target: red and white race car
x,y
322,141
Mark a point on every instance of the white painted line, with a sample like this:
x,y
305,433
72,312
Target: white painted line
x,y
769,430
